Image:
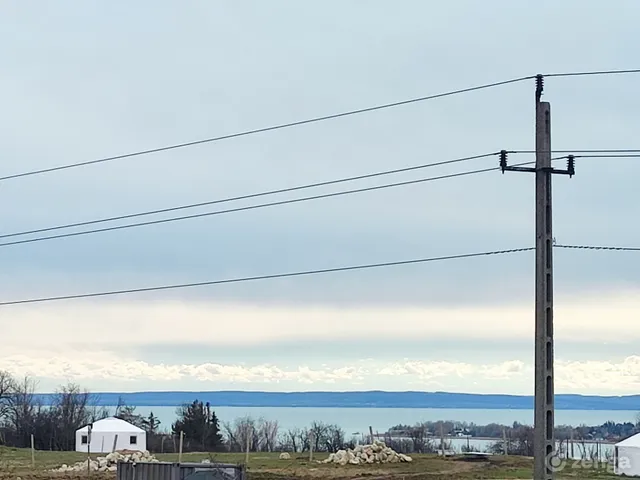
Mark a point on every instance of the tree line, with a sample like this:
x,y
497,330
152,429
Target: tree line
x,y
54,425
424,437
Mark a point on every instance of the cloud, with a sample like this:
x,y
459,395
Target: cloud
x,y
583,376
572,376
111,368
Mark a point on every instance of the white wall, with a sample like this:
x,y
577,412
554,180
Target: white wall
x,y
627,461
102,442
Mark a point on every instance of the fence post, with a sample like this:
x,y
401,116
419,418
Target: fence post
x,y
181,443
33,452
571,444
506,444
246,455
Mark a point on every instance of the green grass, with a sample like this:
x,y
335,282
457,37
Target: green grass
x,y
267,466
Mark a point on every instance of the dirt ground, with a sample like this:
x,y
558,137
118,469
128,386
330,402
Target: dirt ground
x,y
16,463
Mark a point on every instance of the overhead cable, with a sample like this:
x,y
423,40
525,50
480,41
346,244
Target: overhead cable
x,y
266,129
248,196
598,247
255,206
302,273
265,277
312,120
592,73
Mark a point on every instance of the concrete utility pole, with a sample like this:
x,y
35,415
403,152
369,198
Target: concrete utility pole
x,y
544,442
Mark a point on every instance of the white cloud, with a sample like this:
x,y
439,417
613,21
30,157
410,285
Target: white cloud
x,y
623,376
572,376
104,368
93,344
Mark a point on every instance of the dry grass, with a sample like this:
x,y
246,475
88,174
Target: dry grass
x,y
16,463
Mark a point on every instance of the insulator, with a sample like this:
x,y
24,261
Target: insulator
x,y
571,165
503,160
539,86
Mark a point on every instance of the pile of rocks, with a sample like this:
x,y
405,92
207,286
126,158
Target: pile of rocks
x,y
362,454
109,463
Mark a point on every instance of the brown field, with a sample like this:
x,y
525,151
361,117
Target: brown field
x,y
16,463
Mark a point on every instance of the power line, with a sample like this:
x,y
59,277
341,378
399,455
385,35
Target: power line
x,y
304,273
256,206
310,120
599,150
596,247
266,277
248,196
267,129
597,72
617,155
255,195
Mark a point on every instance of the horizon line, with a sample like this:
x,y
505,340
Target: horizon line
x,y
343,392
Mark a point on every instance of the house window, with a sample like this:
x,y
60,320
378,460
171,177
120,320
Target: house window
x,y
85,439
133,440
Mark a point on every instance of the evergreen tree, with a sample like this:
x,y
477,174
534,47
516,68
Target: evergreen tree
x,y
151,424
200,426
128,414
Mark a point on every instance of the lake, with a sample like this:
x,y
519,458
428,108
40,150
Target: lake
x,y
358,420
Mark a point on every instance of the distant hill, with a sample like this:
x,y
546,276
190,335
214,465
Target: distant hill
x,y
369,399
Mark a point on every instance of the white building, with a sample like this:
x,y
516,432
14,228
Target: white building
x,y
626,456
107,431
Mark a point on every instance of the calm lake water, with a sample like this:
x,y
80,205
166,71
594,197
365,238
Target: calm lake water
x,y
358,420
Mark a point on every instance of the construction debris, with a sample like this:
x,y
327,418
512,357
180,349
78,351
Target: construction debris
x,y
109,463
378,452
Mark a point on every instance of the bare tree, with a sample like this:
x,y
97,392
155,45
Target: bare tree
x,y
242,430
292,439
334,438
7,385
418,435
128,413
22,410
318,432
304,436
268,433
71,409
519,442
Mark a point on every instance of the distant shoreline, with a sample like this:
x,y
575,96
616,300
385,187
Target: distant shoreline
x,y
372,399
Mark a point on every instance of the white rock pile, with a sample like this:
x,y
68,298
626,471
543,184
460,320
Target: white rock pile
x,y
378,452
109,463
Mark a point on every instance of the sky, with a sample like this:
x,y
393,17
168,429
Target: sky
x,y
85,80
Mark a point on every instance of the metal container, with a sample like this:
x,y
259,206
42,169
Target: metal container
x,y
179,471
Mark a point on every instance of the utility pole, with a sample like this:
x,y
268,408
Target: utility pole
x,y
544,442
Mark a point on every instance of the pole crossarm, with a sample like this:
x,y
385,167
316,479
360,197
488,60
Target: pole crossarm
x,y
570,170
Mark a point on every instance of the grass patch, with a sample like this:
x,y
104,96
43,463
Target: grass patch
x,y
267,466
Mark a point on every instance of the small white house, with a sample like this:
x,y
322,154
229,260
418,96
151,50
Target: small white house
x,y
626,456
106,432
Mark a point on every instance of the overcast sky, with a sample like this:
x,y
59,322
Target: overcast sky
x,y
87,80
